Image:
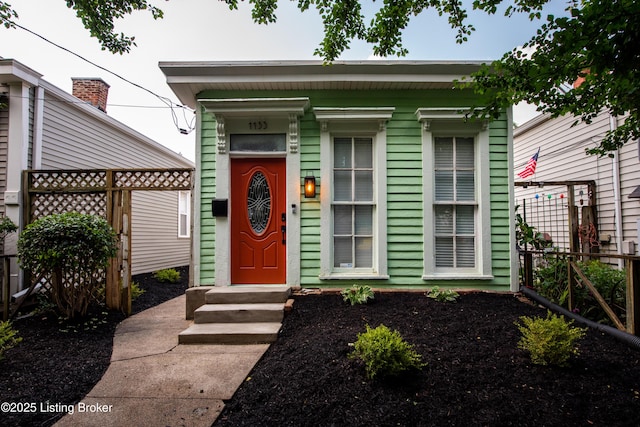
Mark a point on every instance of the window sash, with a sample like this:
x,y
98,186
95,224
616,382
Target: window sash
x,y
184,213
455,207
353,206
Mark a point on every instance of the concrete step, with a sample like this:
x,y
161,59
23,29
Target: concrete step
x,y
230,333
239,313
247,294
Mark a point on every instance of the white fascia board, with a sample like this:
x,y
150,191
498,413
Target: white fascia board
x,y
12,71
354,113
239,107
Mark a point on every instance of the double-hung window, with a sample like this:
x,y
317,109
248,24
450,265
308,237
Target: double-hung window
x,y
184,213
455,202
457,225
353,203
353,216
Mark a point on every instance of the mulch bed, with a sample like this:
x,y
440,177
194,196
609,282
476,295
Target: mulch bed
x,y
475,375
59,363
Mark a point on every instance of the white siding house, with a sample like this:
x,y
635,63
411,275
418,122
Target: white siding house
x,y
43,127
562,157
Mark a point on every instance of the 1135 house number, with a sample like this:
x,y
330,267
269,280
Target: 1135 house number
x,y
258,125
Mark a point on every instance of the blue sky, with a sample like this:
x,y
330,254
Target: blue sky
x,y
206,30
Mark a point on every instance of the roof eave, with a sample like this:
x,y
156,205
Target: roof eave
x,y
187,79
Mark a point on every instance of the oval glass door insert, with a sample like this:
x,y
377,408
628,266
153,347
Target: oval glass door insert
x,y
259,202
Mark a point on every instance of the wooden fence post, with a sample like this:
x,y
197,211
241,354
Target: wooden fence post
x,y
125,259
114,217
570,282
632,268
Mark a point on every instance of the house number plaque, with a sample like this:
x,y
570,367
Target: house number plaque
x,y
258,125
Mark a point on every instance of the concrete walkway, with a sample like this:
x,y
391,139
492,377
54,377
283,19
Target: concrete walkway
x,y
153,381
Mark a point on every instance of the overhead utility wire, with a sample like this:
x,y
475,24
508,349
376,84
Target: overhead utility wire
x,y
165,100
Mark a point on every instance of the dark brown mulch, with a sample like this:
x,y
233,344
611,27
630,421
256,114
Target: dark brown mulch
x,y
59,363
475,376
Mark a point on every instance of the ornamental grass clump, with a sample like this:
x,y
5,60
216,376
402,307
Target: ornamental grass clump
x,y
357,294
68,252
550,341
385,353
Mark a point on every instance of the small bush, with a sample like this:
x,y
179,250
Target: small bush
x,y
168,275
549,341
357,294
443,295
136,291
385,353
70,252
8,337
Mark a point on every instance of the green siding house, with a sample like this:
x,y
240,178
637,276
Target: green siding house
x,y
365,172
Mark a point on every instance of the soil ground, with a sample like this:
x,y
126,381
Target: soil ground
x,y
60,362
476,375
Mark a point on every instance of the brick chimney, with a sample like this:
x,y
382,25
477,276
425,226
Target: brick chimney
x,y
92,90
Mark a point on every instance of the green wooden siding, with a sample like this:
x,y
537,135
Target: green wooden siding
x,y
405,235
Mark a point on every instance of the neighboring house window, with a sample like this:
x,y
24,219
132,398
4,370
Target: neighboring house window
x,y
184,213
353,217
457,225
353,204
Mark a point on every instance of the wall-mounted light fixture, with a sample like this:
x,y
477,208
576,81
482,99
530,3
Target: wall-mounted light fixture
x,y
309,186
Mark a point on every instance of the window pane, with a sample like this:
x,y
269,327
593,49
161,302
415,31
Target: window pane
x,y
342,185
464,153
364,252
342,252
342,153
184,226
444,219
363,154
258,142
444,185
465,252
342,220
465,220
443,148
444,252
364,220
465,186
364,186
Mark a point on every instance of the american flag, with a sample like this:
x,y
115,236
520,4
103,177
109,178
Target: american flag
x,y
530,169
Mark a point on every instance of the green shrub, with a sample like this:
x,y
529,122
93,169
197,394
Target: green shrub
x,y
8,337
550,281
70,252
443,295
610,283
549,341
357,294
136,290
168,275
6,226
385,353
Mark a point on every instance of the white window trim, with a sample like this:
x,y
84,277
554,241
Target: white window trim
x,y
367,122
184,208
452,122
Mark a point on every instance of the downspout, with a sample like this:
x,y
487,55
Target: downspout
x,y
617,203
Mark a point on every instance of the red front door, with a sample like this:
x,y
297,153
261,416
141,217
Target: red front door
x,y
258,221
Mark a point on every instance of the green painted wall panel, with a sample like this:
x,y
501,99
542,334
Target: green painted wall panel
x,y
405,239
